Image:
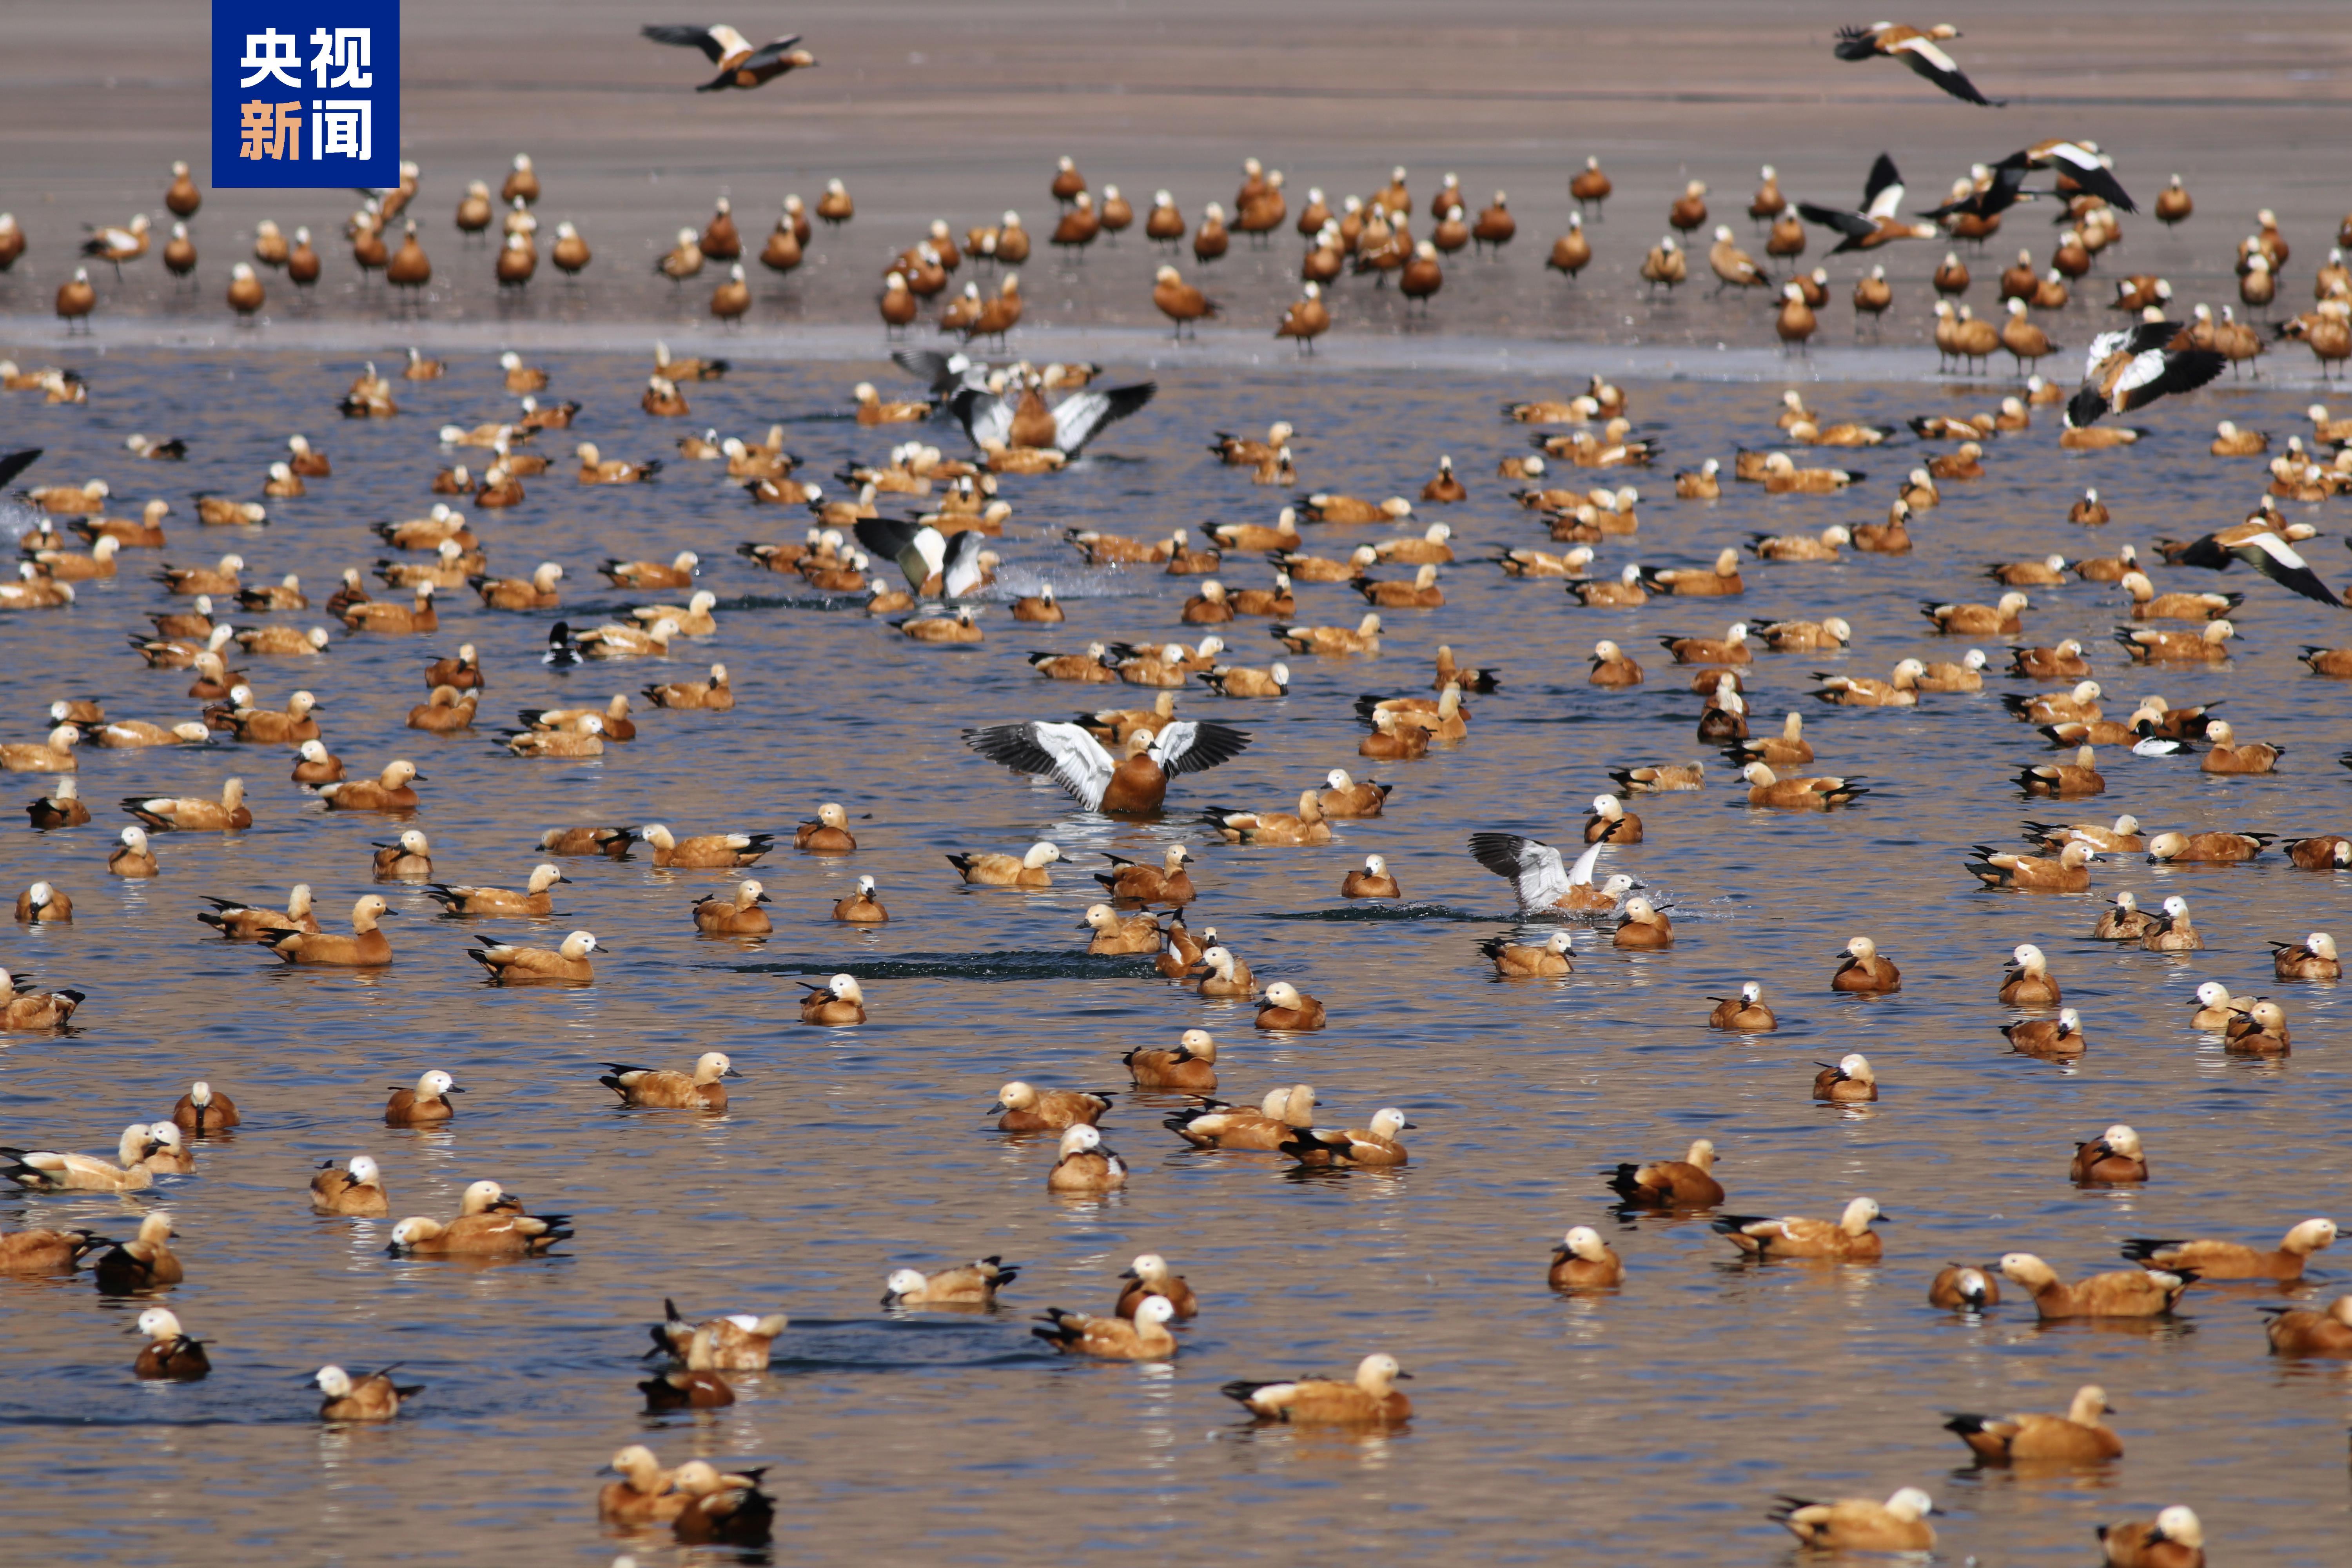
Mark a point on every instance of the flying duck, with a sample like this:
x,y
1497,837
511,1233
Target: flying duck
x,y
740,65
2132,368
1915,47
1875,223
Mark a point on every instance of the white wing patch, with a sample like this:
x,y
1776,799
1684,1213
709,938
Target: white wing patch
x,y
959,560
1889,203
992,422
1077,419
2278,550
932,546
1080,765
1926,50
1172,743
2143,369
2103,346
1542,882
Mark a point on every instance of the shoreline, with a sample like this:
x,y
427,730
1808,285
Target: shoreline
x,y
1133,348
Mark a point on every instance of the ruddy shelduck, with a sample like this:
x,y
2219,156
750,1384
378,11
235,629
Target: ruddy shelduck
x,y
704,1088
2079,1436
1850,1081
2174,1537
145,1263
1847,1239
1960,1288
424,1104
1144,1337
2115,1158
1376,1144
1368,1399
355,1189
1688,1184
1082,1164
365,948
2209,1260
1027,1108
836,1003
374,1397
1148,1278
1190,1066
2124,1293
972,1284
739,1342
1859,1524
1583,1261
1865,972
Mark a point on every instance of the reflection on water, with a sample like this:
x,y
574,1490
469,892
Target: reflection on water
x,y
1669,1411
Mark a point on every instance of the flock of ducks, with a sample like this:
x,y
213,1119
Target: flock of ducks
x,y
1125,761
1373,237
698,1501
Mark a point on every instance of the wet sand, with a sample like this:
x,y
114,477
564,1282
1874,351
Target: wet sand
x,y
949,112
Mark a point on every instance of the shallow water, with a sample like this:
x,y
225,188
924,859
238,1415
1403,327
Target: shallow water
x,y
1651,1425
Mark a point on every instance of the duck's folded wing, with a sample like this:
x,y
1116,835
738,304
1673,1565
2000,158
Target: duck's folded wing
x,y
1190,747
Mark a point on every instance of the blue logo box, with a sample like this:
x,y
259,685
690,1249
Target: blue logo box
x,y
306,94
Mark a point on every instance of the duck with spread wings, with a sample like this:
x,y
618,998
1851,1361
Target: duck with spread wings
x,y
1545,882
2132,368
1915,47
1137,783
1876,224
2079,169
1023,419
935,564
740,65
